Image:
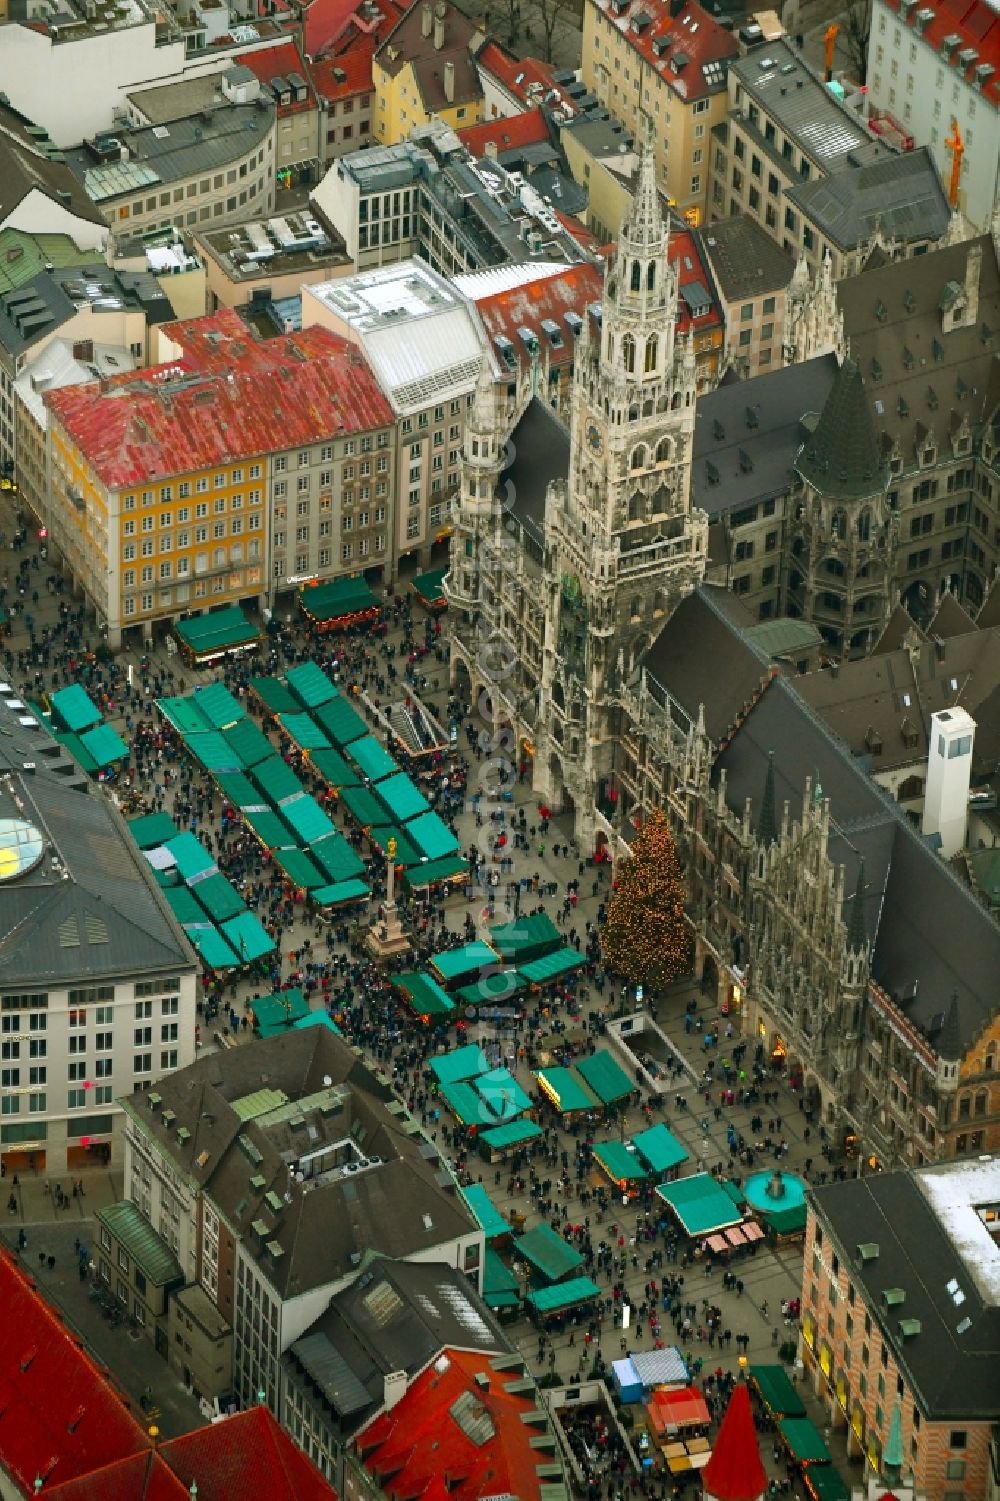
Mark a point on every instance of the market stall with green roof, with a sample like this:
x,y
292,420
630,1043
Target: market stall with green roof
x,y
205,638
497,1141
73,710
429,588
422,993
604,1076
700,1204
501,1289
341,722
273,695
526,938
777,1392
451,870
500,989
276,1013
553,966
621,1165
550,1256
566,1091
339,603
459,1064
544,1302
217,706
310,685
487,1215
659,1149
451,966
371,757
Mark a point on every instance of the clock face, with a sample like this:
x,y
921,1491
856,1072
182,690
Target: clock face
x,y
594,438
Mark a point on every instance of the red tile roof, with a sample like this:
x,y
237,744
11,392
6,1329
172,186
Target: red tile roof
x,y
517,74
247,1455
347,74
683,252
529,128
735,1471
583,236
977,25
59,1417
224,401
420,1450
336,25
549,297
277,62
141,1477
693,34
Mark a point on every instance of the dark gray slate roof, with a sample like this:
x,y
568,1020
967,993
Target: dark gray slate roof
x,y
932,939
841,459
745,260
747,433
953,1373
541,450
901,193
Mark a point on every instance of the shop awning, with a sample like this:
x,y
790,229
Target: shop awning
x,y
511,1135
190,856
683,1408
501,1288
219,897
337,599
276,780
340,892
363,807
273,694
211,946
550,1255
183,715
460,1063
248,742
566,1090
184,905
336,857
212,750
310,685
433,836
784,1219
237,788
218,706
825,1484
104,745
428,871
402,799
220,631
333,768
304,730
425,995
495,990
429,587
804,1440
604,1075
247,936
269,829
299,869
466,1105
152,829
659,1149
552,966
621,1165
371,757
700,1203
777,1391
277,1012
306,819
526,939
488,1216
73,709
452,964
563,1295
341,722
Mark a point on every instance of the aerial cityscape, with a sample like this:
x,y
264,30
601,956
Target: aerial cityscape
x,y
500,750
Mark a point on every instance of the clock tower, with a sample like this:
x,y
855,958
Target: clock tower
x,y
622,544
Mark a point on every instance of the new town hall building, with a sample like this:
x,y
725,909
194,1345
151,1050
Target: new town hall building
x,y
581,619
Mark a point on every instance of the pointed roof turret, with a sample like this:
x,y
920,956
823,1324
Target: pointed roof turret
x,y
735,1471
842,460
857,928
643,227
949,1041
892,1454
767,826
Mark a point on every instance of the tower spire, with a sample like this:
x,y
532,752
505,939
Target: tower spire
x,y
857,931
643,227
767,828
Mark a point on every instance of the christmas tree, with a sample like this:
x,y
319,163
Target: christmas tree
x,y
645,938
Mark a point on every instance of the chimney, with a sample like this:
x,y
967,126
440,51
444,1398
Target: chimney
x,y
490,151
449,82
440,11
426,20
393,1388
949,769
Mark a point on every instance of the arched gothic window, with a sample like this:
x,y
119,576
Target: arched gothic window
x,y
652,353
628,352
636,276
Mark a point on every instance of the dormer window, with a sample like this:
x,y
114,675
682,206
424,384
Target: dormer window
x,y
929,455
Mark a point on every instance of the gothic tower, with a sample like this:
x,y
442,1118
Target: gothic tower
x,y
622,544
844,532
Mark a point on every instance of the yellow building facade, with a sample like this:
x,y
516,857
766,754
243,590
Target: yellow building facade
x,y
426,70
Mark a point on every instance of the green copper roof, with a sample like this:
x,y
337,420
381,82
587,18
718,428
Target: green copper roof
x,y
138,1239
23,256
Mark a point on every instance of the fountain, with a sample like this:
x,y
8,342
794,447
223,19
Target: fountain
x,y
779,1198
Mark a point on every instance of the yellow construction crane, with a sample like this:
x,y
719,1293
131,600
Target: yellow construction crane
x,y
956,146
829,40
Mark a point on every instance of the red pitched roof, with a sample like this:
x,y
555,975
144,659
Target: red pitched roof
x,y
222,401
683,252
277,62
247,1455
420,1450
977,25
735,1471
517,74
141,1477
548,296
59,1417
507,133
693,34
346,74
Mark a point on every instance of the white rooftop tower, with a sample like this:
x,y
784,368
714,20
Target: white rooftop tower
x,y
949,767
